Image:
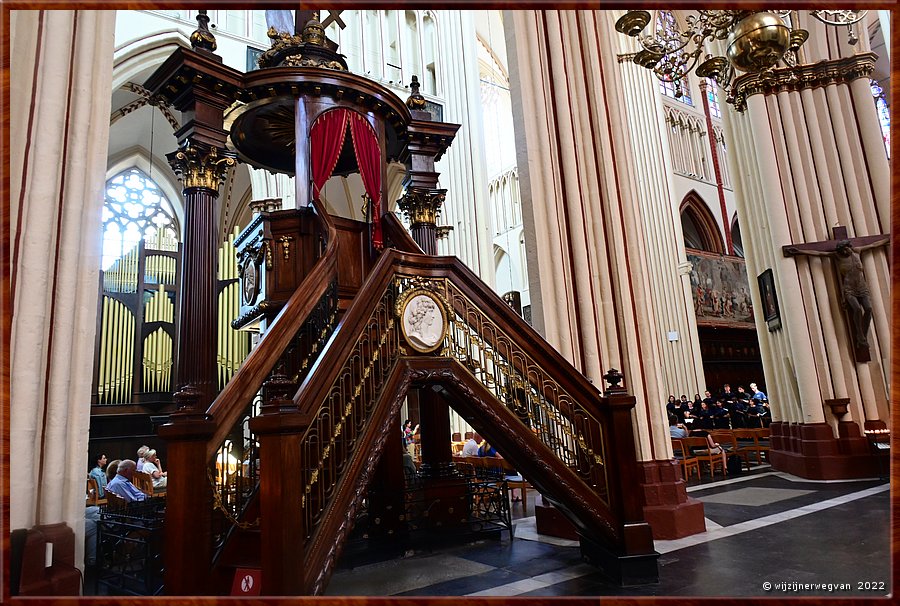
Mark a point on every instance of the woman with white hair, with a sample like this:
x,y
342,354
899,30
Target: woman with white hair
x,y
151,467
142,454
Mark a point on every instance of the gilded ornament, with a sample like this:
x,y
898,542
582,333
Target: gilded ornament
x,y
200,167
286,246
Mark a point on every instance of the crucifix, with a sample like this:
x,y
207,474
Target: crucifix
x,y
855,295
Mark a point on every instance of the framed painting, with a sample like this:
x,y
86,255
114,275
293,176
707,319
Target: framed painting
x,y
769,299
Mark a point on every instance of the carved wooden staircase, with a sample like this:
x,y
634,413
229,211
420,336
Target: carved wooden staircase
x,y
322,427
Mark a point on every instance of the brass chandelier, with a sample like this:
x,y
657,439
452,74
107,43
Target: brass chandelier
x,y
755,42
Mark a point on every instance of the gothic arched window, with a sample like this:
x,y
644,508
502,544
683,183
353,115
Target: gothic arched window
x,y
884,114
665,23
136,209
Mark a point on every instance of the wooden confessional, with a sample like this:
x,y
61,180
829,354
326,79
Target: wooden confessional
x,y
357,316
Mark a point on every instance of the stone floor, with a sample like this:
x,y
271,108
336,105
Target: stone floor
x,y
802,537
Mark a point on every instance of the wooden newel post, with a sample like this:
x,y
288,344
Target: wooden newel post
x,y
279,428
188,544
434,415
625,489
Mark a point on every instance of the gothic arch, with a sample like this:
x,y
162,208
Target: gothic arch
x,y
699,226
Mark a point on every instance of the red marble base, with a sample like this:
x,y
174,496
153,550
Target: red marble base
x,y
810,450
667,508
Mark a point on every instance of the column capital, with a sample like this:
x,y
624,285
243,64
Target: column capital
x,y
814,75
198,165
422,205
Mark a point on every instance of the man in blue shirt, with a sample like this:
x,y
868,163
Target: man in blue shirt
x,y
121,484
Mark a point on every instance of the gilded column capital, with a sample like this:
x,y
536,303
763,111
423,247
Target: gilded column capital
x,y
200,166
422,206
812,75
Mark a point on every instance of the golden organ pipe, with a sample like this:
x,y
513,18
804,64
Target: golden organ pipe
x,y
117,351
104,352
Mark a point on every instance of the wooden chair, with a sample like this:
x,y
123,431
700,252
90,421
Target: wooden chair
x,y
699,448
726,439
143,482
684,458
762,441
747,442
93,493
515,480
114,501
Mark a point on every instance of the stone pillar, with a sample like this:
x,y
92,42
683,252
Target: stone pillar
x,y
61,62
423,207
592,281
809,125
464,165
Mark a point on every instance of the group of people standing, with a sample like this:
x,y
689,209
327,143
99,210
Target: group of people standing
x,y
726,410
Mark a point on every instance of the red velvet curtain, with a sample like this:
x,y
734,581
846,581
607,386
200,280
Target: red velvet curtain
x,y
368,159
326,140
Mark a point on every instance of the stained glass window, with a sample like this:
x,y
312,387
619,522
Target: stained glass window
x,y
135,209
884,114
712,95
665,24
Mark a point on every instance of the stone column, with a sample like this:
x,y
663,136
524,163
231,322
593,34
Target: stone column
x,y
592,282
464,167
59,107
809,126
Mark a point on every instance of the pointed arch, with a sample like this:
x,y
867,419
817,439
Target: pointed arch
x,y
699,227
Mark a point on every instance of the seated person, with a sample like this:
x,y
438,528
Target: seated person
x,y
677,430
470,448
486,450
111,469
99,474
121,484
141,453
152,468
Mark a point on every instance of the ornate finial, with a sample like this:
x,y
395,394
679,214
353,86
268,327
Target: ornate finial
x,y
613,377
202,38
416,100
313,32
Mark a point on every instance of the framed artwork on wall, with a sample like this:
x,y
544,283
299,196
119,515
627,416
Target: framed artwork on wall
x,y
769,299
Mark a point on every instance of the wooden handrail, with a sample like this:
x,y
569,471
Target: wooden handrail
x,y
320,549
232,401
398,235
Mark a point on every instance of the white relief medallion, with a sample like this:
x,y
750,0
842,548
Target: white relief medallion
x,y
424,322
